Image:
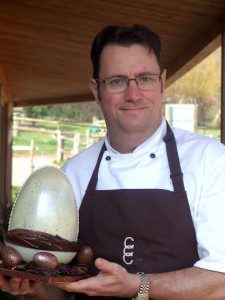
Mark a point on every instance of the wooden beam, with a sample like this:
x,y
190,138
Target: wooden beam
x,y
2,175
223,85
5,160
57,100
198,50
6,112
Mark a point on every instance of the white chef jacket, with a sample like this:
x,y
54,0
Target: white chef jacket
x,y
203,165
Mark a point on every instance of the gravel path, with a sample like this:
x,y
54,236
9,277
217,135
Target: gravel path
x,y
21,167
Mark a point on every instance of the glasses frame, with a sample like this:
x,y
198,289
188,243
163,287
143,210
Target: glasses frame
x,y
130,79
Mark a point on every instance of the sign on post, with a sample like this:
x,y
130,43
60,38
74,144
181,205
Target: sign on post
x,y
182,116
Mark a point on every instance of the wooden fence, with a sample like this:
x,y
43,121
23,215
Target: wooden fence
x,y
28,124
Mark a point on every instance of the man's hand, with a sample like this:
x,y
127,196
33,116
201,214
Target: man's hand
x,y
18,286
113,280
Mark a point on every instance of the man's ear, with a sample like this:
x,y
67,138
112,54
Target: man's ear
x,y
163,76
94,88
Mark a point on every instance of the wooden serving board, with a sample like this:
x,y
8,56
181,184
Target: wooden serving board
x,y
40,277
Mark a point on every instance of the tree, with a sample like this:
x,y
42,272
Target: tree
x,y
77,112
201,85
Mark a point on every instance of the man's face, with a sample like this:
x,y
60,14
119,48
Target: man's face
x,y
133,111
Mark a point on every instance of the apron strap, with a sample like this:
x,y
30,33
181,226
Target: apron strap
x,y
94,178
176,174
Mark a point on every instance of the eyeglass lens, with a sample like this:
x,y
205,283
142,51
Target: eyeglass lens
x,y
119,84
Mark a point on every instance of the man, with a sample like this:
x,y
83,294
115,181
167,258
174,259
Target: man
x,y
151,199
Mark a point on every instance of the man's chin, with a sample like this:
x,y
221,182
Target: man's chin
x,y
133,129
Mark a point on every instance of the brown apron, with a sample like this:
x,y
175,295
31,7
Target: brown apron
x,y
147,230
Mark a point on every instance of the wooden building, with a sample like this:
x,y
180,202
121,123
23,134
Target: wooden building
x,y
45,44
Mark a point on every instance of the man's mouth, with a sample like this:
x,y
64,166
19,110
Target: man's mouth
x,y
132,108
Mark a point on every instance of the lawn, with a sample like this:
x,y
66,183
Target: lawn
x,y
46,142
210,132
15,192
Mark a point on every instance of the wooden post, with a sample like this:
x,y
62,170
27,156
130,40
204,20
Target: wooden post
x,y
223,85
87,137
2,157
32,149
6,109
60,143
94,120
16,124
76,142
5,160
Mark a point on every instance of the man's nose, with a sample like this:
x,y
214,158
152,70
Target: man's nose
x,y
132,92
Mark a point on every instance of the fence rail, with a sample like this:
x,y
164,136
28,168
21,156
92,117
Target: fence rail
x,y
97,122
31,150
76,138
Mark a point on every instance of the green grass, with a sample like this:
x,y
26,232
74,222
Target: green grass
x,y
44,142
47,143
15,192
66,129
210,132
61,163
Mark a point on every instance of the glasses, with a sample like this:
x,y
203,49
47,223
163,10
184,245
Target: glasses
x,y
120,84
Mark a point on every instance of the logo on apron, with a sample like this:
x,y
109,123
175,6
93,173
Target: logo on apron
x,y
127,253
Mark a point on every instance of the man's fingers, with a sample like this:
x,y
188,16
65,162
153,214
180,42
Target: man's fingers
x,y
80,286
3,282
18,286
35,285
106,266
14,283
24,285
71,287
29,287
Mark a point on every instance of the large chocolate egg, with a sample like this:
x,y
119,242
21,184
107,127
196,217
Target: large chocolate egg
x,y
46,203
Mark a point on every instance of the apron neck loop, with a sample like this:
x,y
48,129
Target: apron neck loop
x,y
94,178
176,174
174,163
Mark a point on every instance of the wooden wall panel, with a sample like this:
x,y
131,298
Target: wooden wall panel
x,y
44,45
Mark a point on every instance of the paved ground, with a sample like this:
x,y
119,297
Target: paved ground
x,y
21,167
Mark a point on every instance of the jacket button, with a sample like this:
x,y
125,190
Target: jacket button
x,y
152,155
108,158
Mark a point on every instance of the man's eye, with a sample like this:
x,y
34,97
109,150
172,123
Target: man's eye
x,y
146,79
116,81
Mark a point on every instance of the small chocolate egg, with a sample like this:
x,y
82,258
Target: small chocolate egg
x,y
85,255
11,257
45,260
